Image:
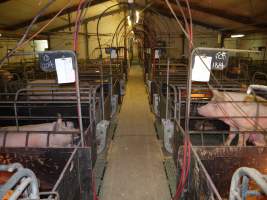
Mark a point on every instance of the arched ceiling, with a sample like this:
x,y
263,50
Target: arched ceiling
x,y
246,16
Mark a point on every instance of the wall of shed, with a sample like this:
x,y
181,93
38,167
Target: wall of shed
x,y
166,29
250,42
107,27
6,44
169,31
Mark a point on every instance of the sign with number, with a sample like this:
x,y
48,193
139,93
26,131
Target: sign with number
x,y
219,60
206,60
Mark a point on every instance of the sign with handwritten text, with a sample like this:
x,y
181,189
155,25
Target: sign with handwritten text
x,y
47,59
219,60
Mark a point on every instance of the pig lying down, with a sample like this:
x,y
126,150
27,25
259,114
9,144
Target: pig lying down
x,y
38,139
239,111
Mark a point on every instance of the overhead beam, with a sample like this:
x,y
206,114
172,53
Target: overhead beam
x,y
50,15
161,10
7,34
4,1
223,14
86,20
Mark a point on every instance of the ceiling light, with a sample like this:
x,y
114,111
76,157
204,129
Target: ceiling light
x,y
137,17
237,35
129,21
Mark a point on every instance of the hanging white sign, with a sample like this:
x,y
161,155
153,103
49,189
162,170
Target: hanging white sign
x,y
201,68
65,70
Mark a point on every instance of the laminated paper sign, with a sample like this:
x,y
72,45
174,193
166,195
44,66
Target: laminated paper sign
x,y
157,54
201,68
113,53
65,70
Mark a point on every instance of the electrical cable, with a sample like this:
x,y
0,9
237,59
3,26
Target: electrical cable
x,y
187,144
79,18
98,21
40,13
191,21
36,33
190,38
183,15
76,28
242,112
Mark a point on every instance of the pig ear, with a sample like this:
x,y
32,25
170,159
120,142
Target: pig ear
x,y
59,122
59,118
218,96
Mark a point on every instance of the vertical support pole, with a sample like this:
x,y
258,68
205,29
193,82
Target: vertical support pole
x,y
78,96
222,40
183,44
188,92
167,95
86,41
125,33
69,20
49,42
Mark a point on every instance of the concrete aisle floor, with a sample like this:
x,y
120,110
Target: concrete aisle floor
x,y
135,162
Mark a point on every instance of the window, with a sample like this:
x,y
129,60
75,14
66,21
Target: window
x,y
40,45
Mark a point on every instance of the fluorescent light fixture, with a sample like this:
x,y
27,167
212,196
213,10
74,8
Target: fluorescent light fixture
x,y
137,16
129,21
237,35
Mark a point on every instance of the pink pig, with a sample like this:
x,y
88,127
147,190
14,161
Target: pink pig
x,y
238,110
18,139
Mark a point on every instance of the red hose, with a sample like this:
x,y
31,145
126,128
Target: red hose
x,y
185,168
77,25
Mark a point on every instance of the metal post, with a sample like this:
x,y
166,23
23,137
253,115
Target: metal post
x,y
102,89
78,95
188,93
69,21
125,33
167,97
86,42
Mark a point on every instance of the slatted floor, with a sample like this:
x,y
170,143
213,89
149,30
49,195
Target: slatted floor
x,y
135,168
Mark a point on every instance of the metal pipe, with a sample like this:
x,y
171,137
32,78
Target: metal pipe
x,y
209,180
257,87
67,166
175,101
179,105
167,97
102,90
258,74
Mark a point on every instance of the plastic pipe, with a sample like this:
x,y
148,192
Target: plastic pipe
x,y
250,173
16,178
